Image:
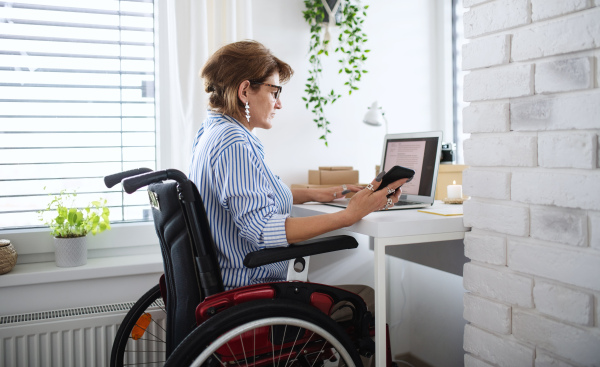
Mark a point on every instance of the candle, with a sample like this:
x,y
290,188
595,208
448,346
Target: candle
x,y
454,191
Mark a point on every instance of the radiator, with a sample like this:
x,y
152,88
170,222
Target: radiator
x,y
70,338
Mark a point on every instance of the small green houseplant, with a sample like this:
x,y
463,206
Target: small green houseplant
x,y
70,225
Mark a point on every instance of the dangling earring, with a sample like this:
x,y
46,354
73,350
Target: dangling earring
x,y
247,112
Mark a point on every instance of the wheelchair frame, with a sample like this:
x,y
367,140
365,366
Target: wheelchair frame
x,y
184,234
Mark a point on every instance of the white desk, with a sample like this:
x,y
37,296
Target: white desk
x,y
392,228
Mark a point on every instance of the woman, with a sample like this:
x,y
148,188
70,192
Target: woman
x,y
247,205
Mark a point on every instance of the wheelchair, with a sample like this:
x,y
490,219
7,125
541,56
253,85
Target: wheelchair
x,y
279,324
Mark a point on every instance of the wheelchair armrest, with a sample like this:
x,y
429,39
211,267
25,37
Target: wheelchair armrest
x,y
301,249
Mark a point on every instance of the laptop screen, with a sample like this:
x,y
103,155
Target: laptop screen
x,y
420,152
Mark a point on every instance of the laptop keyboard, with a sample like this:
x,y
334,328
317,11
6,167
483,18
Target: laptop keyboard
x,y
402,203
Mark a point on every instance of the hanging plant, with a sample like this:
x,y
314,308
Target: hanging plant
x,y
349,16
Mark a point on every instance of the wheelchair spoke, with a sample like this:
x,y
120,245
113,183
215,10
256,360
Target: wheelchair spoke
x,y
219,359
273,347
320,352
290,354
233,354
282,342
243,350
157,339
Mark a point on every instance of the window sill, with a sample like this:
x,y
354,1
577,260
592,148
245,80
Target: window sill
x,y
122,264
43,286
104,267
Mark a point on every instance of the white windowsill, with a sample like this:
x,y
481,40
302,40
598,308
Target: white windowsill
x,y
104,267
122,264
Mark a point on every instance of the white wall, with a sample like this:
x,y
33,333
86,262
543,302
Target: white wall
x,y
401,77
534,119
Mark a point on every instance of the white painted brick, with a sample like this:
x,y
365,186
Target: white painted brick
x,y
496,16
485,248
564,75
564,303
511,149
485,52
498,283
597,62
544,359
486,183
507,218
501,351
499,82
573,33
487,314
469,3
564,188
471,361
561,225
594,229
577,344
557,112
575,267
486,117
568,150
544,9
597,323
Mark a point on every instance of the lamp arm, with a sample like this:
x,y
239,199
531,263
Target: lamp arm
x,y
386,122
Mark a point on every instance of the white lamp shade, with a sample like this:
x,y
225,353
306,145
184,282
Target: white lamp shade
x,y
374,116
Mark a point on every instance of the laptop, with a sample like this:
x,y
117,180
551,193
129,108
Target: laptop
x,y
418,151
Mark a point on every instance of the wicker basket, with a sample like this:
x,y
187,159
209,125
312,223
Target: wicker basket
x,y
8,256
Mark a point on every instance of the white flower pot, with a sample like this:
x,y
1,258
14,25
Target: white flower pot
x,y
70,252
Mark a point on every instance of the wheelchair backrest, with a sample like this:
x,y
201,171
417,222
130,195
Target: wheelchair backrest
x,y
189,254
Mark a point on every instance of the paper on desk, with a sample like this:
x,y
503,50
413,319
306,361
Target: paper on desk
x,y
449,210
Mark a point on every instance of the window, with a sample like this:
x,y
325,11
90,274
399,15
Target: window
x,y
76,103
458,76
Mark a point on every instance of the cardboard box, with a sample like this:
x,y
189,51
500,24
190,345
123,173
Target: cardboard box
x,y
335,168
331,177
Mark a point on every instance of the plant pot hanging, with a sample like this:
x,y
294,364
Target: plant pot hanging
x,y
352,56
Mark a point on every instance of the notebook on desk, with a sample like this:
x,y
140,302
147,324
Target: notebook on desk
x,y
418,151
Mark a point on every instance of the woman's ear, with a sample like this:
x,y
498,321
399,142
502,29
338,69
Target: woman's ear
x,y
243,91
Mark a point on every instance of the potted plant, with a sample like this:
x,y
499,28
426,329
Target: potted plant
x,y
348,16
70,225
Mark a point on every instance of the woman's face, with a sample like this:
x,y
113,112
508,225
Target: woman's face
x,y
262,104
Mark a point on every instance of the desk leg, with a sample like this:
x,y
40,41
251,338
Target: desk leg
x,y
380,303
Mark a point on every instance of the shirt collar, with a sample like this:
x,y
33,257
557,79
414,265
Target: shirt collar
x,y
216,118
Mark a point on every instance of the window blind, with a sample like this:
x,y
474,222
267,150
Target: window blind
x,y
77,102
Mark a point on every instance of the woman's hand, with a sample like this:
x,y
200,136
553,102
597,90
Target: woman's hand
x,y
331,193
368,201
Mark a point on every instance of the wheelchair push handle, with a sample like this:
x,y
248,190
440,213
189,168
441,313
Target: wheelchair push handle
x,y
112,180
132,184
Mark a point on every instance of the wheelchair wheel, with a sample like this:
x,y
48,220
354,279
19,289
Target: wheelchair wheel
x,y
141,338
267,333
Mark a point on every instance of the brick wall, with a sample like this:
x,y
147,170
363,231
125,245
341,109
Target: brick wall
x,y
534,117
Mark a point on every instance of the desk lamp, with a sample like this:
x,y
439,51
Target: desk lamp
x,y
375,116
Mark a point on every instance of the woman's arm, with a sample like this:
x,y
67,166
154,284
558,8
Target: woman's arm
x,y
325,195
361,204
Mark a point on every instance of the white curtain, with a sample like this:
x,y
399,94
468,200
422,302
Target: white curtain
x,y
189,32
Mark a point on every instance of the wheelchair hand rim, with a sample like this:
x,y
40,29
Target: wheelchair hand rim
x,y
271,322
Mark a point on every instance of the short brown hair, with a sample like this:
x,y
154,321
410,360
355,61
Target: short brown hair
x,y
227,68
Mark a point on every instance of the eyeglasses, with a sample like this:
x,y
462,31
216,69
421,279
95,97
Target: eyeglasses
x,y
279,88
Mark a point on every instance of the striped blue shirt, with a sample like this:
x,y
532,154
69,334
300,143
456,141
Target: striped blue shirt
x,y
246,204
